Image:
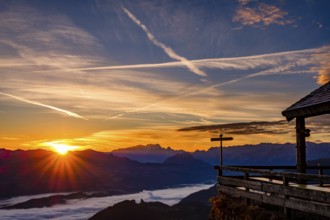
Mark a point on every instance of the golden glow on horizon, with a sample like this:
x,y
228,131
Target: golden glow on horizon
x,y
110,140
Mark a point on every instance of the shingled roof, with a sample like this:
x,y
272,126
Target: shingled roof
x,y
316,103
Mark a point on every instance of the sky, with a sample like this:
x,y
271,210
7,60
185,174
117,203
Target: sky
x,y
111,74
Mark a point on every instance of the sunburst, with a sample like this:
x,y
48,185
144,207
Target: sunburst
x,y
60,148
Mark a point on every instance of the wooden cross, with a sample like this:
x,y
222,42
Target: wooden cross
x,y
221,138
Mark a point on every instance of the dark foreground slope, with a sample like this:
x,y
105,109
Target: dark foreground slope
x,y
193,207
39,171
128,210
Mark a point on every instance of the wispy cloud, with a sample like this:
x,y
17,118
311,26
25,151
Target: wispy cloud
x,y
246,128
72,114
323,69
243,2
169,51
263,14
52,41
282,63
101,97
281,67
289,62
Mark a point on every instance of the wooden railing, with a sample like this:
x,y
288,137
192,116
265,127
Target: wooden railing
x,y
264,185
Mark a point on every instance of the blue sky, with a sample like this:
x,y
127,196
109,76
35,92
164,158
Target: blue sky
x,y
111,74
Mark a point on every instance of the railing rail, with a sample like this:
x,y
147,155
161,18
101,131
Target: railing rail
x,y
284,191
262,170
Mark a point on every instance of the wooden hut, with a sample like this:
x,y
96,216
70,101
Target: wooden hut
x,y
295,192
314,104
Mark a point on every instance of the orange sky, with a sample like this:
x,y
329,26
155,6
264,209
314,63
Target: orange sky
x,y
108,75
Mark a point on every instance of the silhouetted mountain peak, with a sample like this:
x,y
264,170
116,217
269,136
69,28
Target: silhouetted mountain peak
x,y
154,146
148,147
184,159
146,153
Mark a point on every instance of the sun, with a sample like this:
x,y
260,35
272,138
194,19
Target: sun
x,y
62,149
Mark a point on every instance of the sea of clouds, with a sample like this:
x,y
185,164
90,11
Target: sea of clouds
x,y
84,209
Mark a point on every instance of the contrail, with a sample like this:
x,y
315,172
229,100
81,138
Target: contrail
x,y
133,66
169,51
240,63
72,114
272,71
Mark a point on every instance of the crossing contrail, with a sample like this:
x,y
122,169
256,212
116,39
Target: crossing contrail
x,y
72,114
169,51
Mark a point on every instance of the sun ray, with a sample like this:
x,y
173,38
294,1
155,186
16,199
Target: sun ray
x,y
60,148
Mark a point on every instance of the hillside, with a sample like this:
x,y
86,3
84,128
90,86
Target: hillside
x,y
92,171
193,207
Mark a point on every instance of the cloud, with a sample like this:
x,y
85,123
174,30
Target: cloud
x,y
319,124
243,2
323,67
150,92
270,131
281,67
282,63
48,42
244,128
169,51
263,14
71,114
324,76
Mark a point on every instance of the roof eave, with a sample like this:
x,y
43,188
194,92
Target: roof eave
x,y
315,110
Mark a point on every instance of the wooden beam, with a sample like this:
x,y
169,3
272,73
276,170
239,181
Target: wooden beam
x,y
222,139
280,167
278,174
301,145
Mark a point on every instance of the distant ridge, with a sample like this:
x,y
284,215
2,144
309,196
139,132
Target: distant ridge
x,y
185,159
263,154
260,154
153,153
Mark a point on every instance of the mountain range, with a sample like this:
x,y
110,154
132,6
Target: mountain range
x,y
40,171
260,154
133,169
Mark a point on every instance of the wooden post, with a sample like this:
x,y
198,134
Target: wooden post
x,y
286,209
247,177
301,145
320,173
221,138
270,177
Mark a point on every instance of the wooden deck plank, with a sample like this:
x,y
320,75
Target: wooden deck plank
x,y
302,186
279,189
